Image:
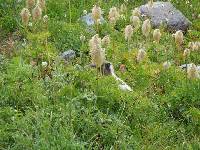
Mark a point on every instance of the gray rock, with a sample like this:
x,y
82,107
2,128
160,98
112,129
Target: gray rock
x,y
89,21
165,12
68,55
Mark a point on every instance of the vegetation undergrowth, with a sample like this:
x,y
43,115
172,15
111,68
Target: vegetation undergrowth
x,y
47,102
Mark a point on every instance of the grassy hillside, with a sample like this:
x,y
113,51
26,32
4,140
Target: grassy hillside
x,y
68,105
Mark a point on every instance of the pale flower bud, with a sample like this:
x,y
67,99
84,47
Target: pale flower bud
x,y
179,38
44,64
186,53
98,21
156,35
106,41
42,4
25,15
96,13
128,32
112,21
122,17
193,72
193,46
146,28
85,12
166,65
123,8
97,53
45,19
141,55
30,3
37,13
135,20
113,15
136,12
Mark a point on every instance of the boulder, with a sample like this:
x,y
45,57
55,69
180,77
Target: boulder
x,y
165,12
68,55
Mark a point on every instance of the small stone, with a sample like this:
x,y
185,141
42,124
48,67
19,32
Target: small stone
x,y
68,55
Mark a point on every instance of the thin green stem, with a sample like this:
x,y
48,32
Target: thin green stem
x,y
97,83
70,14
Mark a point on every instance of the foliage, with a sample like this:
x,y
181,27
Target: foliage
x,y
49,103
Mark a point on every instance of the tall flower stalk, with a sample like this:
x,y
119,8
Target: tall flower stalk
x,y
96,15
186,55
146,28
156,38
128,34
113,16
25,16
97,54
179,39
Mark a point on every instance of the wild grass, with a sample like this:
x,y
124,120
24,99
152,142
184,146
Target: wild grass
x,y
56,106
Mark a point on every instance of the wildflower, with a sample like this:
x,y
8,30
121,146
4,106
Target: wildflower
x,y
193,72
135,20
123,8
122,17
141,55
82,38
37,13
106,41
44,64
112,21
146,28
96,13
194,46
166,65
128,32
136,12
30,24
25,15
156,35
42,4
45,19
113,15
179,38
30,3
85,12
186,53
96,51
